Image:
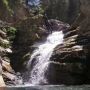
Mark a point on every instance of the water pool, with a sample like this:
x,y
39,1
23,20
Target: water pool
x,y
48,87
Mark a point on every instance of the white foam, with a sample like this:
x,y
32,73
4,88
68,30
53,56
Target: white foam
x,y
42,55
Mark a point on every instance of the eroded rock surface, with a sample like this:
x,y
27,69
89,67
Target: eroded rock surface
x,y
71,59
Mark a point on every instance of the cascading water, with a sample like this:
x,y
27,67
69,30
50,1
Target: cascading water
x,y
40,58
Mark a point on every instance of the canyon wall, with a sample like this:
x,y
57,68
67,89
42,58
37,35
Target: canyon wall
x,y
72,57
64,10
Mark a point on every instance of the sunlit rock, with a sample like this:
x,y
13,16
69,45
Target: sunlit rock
x,y
2,83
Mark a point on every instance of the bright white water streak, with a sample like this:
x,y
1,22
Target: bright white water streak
x,y
41,56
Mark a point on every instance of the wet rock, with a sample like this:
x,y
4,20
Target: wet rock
x,y
57,25
42,33
65,73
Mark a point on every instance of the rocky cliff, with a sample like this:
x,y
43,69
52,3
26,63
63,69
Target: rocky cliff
x,y
7,74
64,10
70,61
8,21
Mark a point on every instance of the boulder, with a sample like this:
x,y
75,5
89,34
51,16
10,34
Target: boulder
x,y
57,25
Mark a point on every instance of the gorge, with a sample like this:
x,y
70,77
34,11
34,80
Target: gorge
x,y
28,52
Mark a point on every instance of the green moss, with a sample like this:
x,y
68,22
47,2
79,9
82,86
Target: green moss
x,y
11,32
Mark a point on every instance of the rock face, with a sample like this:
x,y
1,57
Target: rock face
x,y
70,62
12,11
63,10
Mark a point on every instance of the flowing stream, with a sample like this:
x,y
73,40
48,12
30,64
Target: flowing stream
x,y
40,58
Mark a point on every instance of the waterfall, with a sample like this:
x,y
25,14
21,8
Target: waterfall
x,y
40,58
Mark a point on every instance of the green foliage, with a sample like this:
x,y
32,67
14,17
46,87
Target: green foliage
x,y
11,31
